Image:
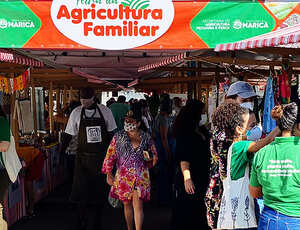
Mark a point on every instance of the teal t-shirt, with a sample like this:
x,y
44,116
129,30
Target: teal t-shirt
x,y
119,111
276,168
4,133
239,159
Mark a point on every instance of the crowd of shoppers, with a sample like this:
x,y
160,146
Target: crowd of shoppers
x,y
201,173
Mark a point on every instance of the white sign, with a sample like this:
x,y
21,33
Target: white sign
x,y
112,24
93,134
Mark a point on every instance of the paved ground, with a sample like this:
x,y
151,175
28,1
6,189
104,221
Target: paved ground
x,y
55,213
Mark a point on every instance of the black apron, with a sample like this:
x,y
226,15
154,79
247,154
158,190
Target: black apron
x,y
89,185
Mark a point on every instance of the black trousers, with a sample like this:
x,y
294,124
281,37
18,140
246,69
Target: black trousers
x,y
189,212
90,216
4,183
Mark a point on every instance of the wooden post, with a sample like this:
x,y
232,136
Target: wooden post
x,y
12,113
64,99
218,85
33,99
199,82
71,94
182,88
190,91
57,98
206,98
199,91
51,107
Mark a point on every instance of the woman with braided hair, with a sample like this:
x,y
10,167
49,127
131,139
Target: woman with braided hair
x,y
276,175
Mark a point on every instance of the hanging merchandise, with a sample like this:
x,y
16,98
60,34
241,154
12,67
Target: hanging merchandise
x,y
268,123
6,85
285,93
10,85
298,85
2,84
24,114
294,89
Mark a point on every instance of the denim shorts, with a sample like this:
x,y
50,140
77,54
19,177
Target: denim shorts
x,y
273,220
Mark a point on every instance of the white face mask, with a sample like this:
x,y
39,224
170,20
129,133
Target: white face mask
x,y
87,102
248,105
254,134
128,127
203,120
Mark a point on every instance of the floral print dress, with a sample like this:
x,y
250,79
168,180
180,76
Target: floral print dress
x,y
132,170
219,146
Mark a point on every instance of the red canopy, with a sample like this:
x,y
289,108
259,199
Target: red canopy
x,y
279,37
6,56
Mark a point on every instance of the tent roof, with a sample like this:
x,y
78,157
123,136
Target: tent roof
x,y
289,35
120,67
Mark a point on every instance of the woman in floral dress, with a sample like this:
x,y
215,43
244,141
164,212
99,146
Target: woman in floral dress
x,y
133,152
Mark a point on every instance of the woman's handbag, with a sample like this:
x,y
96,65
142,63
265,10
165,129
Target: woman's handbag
x,y
11,161
115,203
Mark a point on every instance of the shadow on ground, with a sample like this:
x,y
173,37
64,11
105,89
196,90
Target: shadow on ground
x,y
56,213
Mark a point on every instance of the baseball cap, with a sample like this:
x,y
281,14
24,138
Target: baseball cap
x,y
87,93
242,89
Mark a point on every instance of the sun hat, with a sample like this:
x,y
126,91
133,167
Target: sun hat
x,y
242,89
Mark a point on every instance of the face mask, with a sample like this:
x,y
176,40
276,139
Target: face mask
x,y
254,134
128,127
87,102
248,105
203,120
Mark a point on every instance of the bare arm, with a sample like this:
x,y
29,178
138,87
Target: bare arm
x,y
185,169
188,182
256,146
4,145
255,192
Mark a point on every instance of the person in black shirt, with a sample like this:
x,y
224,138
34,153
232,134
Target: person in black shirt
x,y
192,154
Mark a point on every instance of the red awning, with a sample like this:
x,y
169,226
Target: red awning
x,y
164,62
279,37
6,56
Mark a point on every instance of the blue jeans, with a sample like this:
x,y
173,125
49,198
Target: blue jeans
x,y
273,220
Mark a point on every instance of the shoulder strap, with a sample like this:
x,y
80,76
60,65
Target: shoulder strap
x,y
100,113
229,156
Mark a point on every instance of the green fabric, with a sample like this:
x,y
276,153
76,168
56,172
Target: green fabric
x,y
276,168
239,159
119,111
4,134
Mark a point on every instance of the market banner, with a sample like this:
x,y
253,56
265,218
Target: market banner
x,y
140,24
10,85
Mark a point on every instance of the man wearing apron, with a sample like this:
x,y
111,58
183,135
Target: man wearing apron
x,y
94,125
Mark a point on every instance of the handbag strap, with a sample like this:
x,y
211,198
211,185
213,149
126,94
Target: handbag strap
x,y
229,156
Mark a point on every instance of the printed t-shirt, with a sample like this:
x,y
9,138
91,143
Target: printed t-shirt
x,y
74,119
239,159
4,134
276,168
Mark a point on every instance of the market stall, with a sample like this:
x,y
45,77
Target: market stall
x,y
23,86
167,47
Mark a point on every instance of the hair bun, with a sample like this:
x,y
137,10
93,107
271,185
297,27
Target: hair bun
x,y
289,116
277,112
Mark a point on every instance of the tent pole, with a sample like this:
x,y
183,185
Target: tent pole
x,y
33,99
51,108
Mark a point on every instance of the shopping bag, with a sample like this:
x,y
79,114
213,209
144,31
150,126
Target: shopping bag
x,y
11,161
